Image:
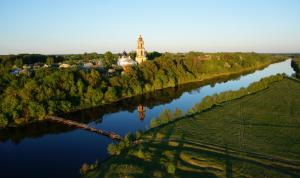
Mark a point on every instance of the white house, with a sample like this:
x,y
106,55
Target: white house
x,y
125,60
64,65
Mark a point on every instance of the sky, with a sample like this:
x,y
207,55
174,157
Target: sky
x,y
78,26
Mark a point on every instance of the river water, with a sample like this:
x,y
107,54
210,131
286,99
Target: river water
x,y
53,150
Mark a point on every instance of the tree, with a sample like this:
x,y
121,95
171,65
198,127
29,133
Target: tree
x,y
111,94
36,110
171,168
3,120
109,59
178,113
153,55
166,116
93,97
132,54
93,77
113,149
80,87
19,63
50,60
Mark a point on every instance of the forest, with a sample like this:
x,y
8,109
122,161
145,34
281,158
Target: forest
x,y
53,91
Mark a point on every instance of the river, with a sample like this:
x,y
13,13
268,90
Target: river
x,y
53,150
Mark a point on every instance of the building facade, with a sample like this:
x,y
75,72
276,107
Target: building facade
x,y
125,60
140,51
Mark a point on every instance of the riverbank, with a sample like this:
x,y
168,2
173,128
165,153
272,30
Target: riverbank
x,y
296,65
23,144
254,136
204,77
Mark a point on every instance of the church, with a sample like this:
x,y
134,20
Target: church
x,y
125,59
140,51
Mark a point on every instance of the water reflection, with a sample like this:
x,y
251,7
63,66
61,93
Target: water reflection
x,y
95,116
141,111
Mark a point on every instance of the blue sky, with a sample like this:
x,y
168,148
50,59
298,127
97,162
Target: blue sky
x,y
78,26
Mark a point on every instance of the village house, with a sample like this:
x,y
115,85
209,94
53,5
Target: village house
x,y
125,60
63,65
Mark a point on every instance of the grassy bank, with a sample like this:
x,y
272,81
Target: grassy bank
x,y
254,136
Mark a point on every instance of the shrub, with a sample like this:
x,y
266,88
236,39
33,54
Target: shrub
x,y
3,120
113,149
171,168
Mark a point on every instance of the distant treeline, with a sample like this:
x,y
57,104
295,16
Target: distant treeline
x,y
20,59
54,91
107,58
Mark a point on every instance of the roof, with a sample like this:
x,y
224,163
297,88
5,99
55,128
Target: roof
x,y
125,61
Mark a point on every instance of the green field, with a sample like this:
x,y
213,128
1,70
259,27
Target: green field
x,y
255,136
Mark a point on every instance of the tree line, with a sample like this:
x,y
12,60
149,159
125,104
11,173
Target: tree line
x,y
108,58
53,91
296,66
207,102
216,99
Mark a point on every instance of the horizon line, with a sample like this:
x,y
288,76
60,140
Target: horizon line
x,y
49,54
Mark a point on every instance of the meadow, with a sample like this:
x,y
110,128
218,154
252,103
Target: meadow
x,y
254,136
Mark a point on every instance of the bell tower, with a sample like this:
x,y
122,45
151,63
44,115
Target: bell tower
x,y
140,51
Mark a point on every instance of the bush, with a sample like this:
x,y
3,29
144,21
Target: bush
x,y
3,120
113,149
117,148
138,134
171,168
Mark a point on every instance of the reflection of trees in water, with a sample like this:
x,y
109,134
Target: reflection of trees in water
x,y
148,100
33,130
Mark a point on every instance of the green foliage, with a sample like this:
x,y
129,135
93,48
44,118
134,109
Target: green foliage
x,y
113,149
154,122
3,120
296,66
85,168
92,97
109,59
128,140
19,63
153,55
210,101
138,134
111,94
50,60
165,117
171,168
259,127
178,113
132,54
55,91
36,110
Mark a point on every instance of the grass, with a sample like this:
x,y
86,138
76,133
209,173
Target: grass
x,y
255,136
